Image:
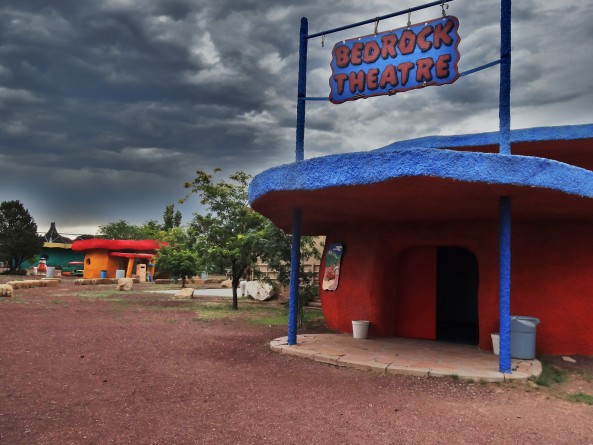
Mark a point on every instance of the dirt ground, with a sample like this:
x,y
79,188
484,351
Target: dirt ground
x,y
80,366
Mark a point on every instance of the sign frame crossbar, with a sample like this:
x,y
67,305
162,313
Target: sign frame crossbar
x,y
383,17
505,219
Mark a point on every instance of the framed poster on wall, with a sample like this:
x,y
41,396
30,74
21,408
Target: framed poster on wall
x,y
333,259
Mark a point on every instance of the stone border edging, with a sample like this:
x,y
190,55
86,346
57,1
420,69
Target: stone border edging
x,y
27,284
91,281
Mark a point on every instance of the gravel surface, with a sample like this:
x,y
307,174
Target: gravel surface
x,y
78,370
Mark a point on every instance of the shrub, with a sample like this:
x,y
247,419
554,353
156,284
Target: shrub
x,y
19,272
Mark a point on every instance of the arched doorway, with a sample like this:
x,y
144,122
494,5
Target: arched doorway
x,y
457,295
437,294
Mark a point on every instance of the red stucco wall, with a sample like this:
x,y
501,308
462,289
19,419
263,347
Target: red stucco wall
x,y
552,279
415,296
358,285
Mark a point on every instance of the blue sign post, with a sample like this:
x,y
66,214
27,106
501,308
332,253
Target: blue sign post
x,y
295,253
400,60
504,113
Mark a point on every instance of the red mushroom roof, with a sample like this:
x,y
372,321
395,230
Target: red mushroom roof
x,y
147,256
117,244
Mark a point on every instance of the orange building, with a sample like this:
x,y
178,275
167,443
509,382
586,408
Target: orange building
x,y
104,257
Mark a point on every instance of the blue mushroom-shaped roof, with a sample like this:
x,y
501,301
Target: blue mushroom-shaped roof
x,y
436,177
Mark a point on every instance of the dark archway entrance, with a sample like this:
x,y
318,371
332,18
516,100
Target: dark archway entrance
x,y
457,296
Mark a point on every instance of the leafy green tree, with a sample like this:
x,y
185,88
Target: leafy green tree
x,y
121,230
230,232
152,230
178,261
171,218
177,219
277,250
18,235
177,236
276,255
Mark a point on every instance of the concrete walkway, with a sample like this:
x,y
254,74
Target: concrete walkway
x,y
406,356
227,293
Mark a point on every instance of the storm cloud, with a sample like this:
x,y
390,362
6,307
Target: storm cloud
x,y
108,107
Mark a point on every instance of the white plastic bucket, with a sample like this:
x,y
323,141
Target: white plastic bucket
x,y
50,272
120,273
360,328
495,343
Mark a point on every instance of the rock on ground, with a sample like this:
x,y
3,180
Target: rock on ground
x,y
125,284
184,294
5,290
259,290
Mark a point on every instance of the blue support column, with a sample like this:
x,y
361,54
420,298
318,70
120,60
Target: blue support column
x,y
504,113
295,262
505,285
295,254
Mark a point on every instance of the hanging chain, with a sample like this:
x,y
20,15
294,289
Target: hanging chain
x,y
443,8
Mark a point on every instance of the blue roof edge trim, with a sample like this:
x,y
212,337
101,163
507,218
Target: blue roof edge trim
x,y
397,160
561,133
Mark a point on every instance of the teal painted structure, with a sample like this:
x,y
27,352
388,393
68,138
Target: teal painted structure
x,y
56,256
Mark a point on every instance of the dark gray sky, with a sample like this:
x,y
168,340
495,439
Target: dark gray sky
x,y
108,107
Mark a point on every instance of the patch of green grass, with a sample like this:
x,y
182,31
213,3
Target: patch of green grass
x,y
57,301
111,296
454,377
313,315
271,318
580,397
13,299
120,301
174,308
278,316
266,314
217,311
97,294
551,375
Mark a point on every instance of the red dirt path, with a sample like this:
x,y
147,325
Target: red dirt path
x,y
75,370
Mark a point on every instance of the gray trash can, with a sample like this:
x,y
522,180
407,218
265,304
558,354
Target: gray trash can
x,y
523,330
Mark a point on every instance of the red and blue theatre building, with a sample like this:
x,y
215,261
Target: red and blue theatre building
x,y
419,223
